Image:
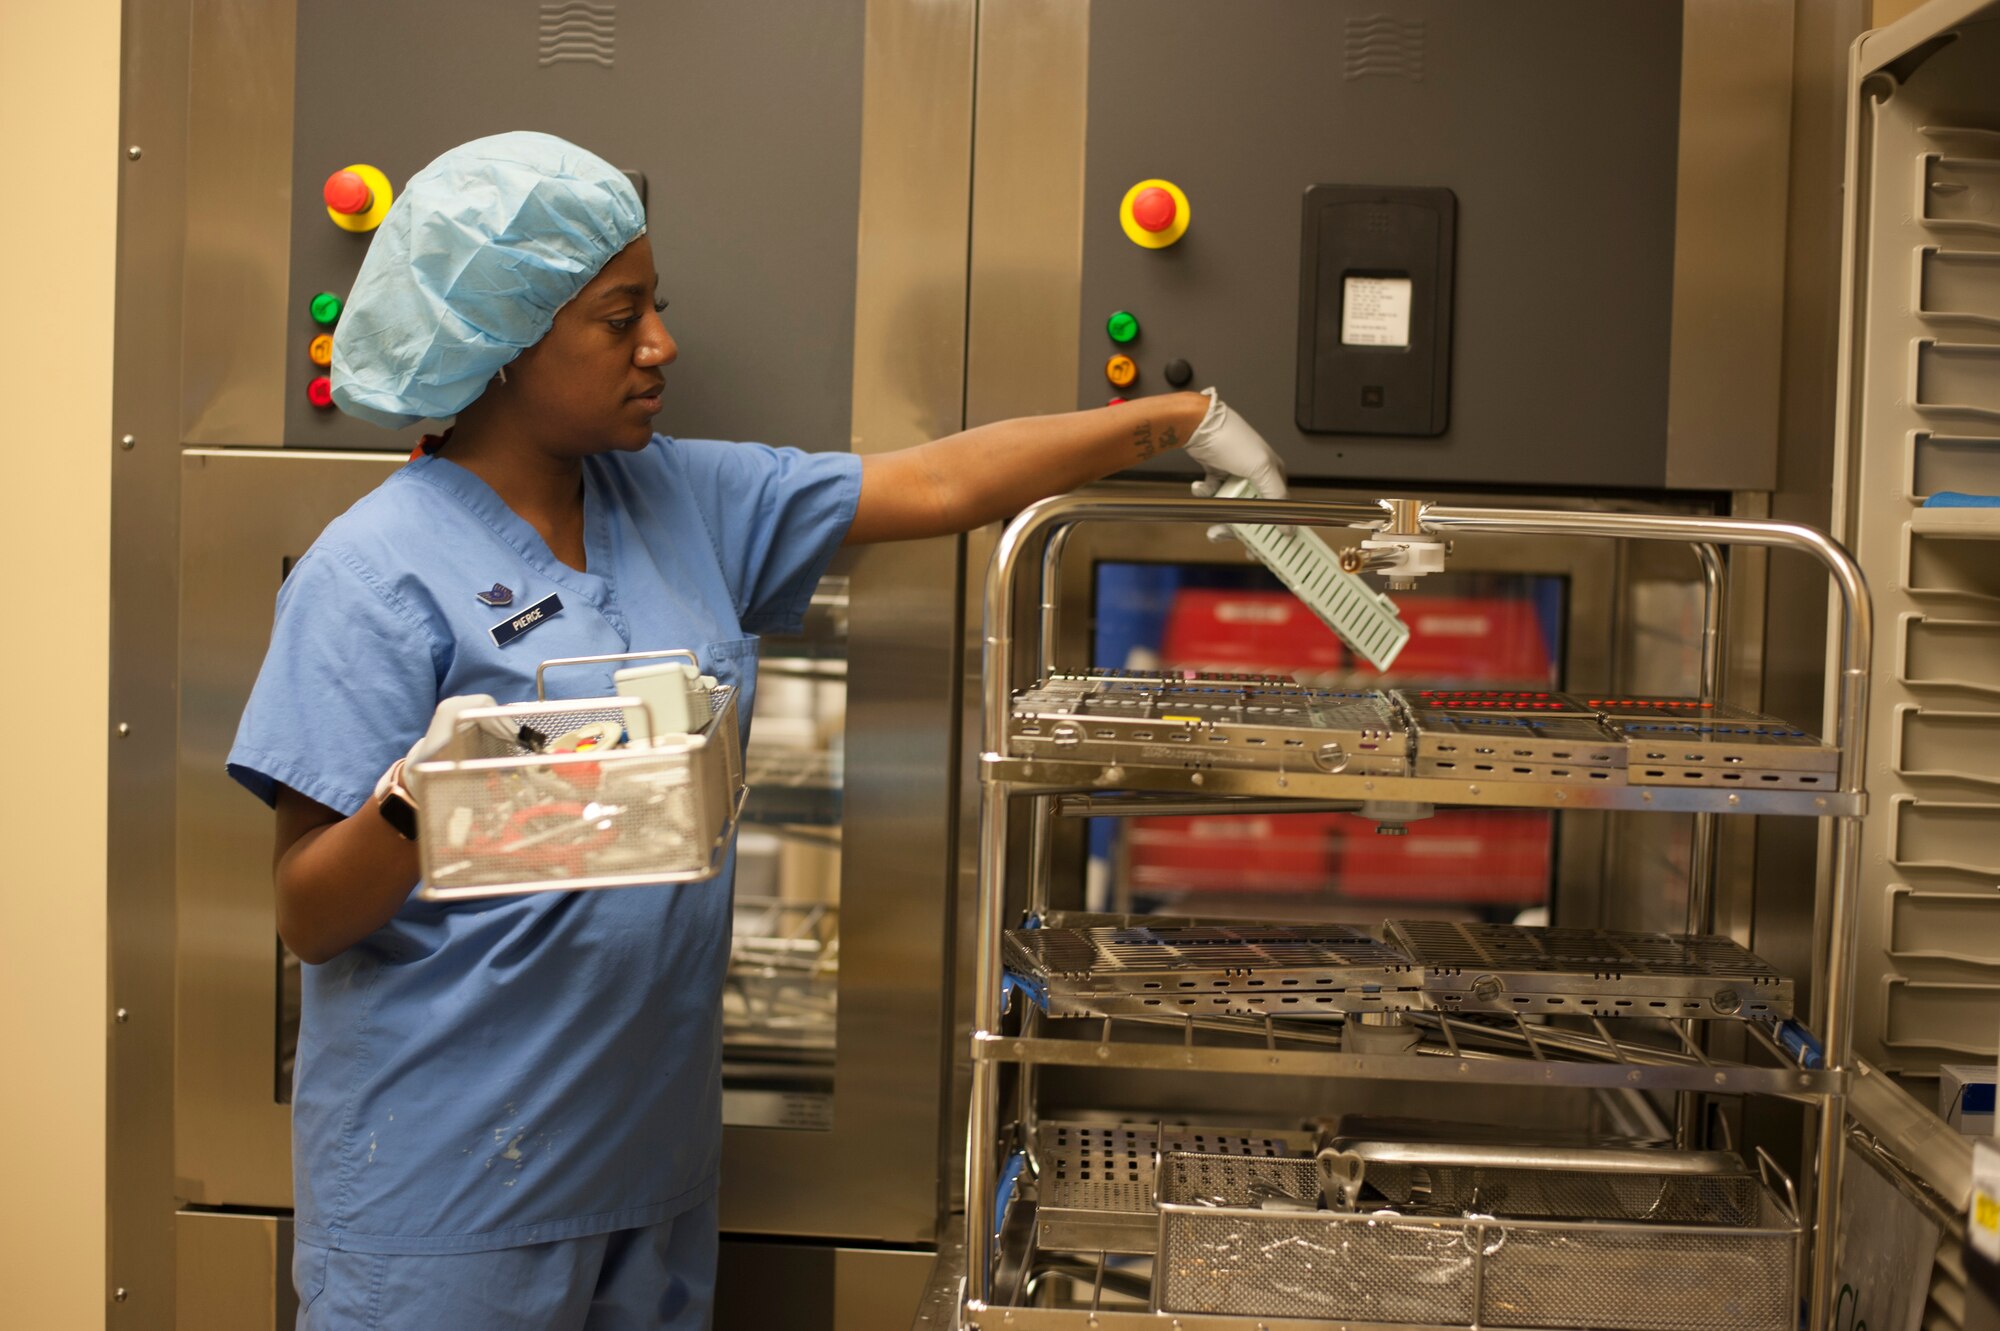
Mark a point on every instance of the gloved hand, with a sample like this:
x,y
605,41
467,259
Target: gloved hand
x,y
1227,447
444,724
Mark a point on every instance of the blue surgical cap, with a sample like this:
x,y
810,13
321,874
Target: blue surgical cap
x,y
477,254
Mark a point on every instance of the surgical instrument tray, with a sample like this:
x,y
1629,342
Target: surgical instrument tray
x,y
1660,707
1588,972
1519,747
1764,753
1096,1180
1279,970
1240,721
1220,1254
504,809
1519,702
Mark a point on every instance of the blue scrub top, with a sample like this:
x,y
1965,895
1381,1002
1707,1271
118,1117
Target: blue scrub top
x,y
478,1075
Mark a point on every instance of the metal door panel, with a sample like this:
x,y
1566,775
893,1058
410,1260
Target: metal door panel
x,y
234,1272
243,514
1068,120
864,292
812,1287
743,115
875,1173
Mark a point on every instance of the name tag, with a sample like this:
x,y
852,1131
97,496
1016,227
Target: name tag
x,y
509,629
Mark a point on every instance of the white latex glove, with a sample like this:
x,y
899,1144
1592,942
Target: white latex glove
x,y
1227,447
444,724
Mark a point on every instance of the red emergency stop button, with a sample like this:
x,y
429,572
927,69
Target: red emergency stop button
x,y
357,197
346,192
1153,209
320,392
1154,214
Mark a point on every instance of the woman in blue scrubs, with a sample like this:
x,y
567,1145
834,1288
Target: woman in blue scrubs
x,y
507,1113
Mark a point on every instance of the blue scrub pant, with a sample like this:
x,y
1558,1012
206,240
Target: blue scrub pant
x,y
661,1278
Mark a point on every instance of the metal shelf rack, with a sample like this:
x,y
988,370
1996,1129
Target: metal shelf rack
x,y
1665,1055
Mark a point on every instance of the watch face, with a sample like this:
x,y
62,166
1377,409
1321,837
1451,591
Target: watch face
x,y
400,814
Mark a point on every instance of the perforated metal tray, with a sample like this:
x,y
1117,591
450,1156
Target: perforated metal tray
x,y
1096,1180
1471,1271
1511,746
1367,621
1233,721
1520,702
1282,970
1589,972
1759,754
1665,707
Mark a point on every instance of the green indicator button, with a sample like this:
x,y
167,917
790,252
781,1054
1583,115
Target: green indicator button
x,y
325,308
1122,327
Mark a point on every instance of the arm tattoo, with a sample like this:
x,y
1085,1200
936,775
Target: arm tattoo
x,y
1146,444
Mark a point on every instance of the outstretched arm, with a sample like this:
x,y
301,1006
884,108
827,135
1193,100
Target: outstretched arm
x,y
994,471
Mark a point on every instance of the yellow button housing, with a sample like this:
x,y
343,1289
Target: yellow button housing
x,y
1139,234
321,350
380,190
1121,371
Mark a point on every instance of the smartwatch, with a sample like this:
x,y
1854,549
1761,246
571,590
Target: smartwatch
x,y
397,805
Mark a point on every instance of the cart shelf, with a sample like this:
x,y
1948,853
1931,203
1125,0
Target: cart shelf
x,y
1046,776
1079,761
1496,1051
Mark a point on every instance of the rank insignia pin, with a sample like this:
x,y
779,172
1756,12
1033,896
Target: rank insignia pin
x,y
498,596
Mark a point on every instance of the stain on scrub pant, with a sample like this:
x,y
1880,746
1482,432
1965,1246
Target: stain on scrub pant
x,y
661,1278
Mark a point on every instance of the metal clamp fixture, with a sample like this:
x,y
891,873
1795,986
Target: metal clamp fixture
x,y
1404,549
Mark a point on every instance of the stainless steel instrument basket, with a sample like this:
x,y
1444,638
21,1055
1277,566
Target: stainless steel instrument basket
x,y
1319,970
497,816
1219,1256
1473,967
1096,1180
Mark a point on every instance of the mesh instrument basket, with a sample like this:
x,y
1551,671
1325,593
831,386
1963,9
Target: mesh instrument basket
x,y
496,817
1218,1255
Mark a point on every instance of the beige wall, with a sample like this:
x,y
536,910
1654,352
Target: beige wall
x,y
59,119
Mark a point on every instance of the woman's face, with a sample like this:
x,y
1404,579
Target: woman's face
x,y
594,381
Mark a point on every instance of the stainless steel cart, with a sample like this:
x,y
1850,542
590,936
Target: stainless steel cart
x,y
1453,1047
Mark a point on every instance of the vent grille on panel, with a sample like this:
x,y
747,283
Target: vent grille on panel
x,y
574,31
1381,47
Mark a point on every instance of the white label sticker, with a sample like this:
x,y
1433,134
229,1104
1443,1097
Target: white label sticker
x,y
1375,312
1983,1215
